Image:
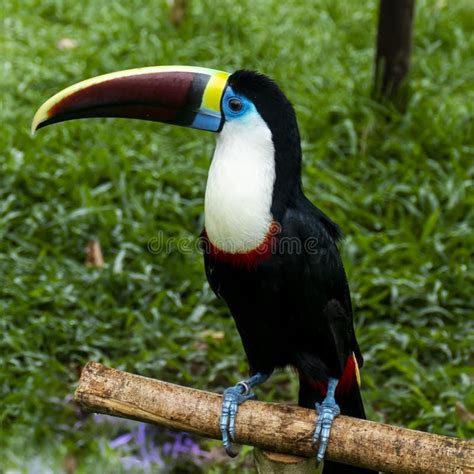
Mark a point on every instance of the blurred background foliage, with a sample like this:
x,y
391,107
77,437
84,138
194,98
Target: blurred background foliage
x,y
399,184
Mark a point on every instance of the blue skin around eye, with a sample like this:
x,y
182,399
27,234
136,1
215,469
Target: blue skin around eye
x,y
230,114
209,120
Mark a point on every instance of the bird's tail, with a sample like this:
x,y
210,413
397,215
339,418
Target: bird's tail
x,y
350,403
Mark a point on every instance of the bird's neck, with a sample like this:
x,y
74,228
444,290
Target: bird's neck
x,y
239,191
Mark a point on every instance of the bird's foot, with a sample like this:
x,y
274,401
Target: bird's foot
x,y
233,397
327,411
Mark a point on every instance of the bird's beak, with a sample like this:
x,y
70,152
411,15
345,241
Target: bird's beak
x,y
180,95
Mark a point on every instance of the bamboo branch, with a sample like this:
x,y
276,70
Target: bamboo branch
x,y
271,426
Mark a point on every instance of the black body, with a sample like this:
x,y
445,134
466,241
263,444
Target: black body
x,y
293,308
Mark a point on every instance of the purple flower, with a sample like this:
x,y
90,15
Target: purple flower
x,y
145,446
121,440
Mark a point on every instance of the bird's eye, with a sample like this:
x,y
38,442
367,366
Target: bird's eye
x,y
235,105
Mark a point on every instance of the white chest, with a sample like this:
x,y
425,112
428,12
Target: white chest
x,y
240,186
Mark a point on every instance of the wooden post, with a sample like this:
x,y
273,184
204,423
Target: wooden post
x,y
394,35
178,11
272,426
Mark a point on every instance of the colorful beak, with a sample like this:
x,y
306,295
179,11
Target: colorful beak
x,y
180,95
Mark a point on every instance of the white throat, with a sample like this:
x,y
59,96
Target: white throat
x,y
240,186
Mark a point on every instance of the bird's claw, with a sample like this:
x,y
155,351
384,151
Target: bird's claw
x,y
327,411
233,397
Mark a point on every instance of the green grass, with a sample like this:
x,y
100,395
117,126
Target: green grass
x,y
400,186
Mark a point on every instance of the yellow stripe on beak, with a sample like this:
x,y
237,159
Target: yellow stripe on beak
x,y
211,99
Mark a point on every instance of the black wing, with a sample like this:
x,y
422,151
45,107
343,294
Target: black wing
x,y
323,314
209,266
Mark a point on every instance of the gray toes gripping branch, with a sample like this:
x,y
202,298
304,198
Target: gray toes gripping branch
x,y
233,397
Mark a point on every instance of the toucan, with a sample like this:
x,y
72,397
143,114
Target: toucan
x,y
269,253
